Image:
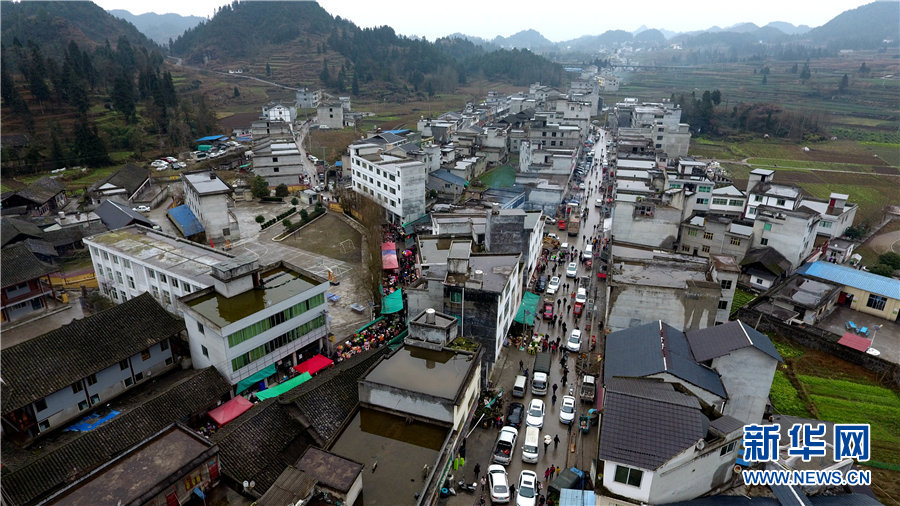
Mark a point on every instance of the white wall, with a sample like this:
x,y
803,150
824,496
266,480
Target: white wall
x,y
747,376
641,493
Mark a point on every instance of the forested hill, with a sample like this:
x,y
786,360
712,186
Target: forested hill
x,y
318,48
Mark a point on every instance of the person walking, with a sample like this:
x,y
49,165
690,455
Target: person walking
x,y
552,470
553,400
555,386
556,441
521,366
547,442
477,470
483,483
512,491
558,302
547,474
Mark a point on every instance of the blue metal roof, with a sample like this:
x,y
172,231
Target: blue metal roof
x,y
186,221
445,175
880,285
210,138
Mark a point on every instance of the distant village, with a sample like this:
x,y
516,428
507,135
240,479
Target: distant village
x,y
557,320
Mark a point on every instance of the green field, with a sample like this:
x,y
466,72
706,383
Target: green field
x,y
503,176
741,299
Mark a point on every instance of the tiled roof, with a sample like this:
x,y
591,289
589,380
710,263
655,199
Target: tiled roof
x,y
83,347
445,175
64,236
291,487
656,348
712,342
41,190
12,228
328,399
19,265
769,258
130,177
330,470
646,433
790,495
54,469
726,424
116,216
847,276
260,443
651,389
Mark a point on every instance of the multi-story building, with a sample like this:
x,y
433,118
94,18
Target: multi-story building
x,y
552,134
330,114
134,260
255,319
278,112
788,231
104,354
706,234
307,98
724,269
265,128
25,283
210,199
397,184
836,214
278,161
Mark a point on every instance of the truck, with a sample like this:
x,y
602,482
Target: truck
x,y
505,445
588,388
541,375
574,224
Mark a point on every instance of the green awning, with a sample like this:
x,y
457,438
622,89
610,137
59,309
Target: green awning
x,y
244,384
528,308
392,303
283,387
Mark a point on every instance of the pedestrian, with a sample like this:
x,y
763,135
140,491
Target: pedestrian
x,y
483,485
570,309
555,386
477,470
552,470
556,441
512,490
564,301
541,499
482,502
564,381
526,373
521,365
553,400
558,469
558,301
547,474
547,442
564,327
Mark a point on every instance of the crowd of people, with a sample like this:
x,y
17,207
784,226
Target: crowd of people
x,y
373,336
406,258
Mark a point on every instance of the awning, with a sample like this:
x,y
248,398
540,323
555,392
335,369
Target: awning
x,y
389,256
244,384
856,342
314,364
230,410
572,497
284,387
528,308
392,303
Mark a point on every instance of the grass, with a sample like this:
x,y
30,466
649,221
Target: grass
x,y
741,299
802,164
787,350
329,236
503,176
785,398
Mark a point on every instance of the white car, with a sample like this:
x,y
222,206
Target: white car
x,y
572,270
169,159
567,410
553,285
581,296
553,236
526,491
574,342
159,163
141,209
499,483
535,414
564,246
598,203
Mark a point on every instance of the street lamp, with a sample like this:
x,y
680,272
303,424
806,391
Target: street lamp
x,y
871,349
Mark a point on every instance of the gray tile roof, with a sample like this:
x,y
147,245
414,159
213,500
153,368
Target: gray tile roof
x,y
130,177
291,486
712,342
790,495
19,265
656,348
726,424
51,470
651,389
330,470
88,345
647,433
41,190
769,258
12,229
116,216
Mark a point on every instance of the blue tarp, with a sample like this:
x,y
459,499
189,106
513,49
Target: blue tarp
x,y
91,422
572,497
246,383
210,138
185,220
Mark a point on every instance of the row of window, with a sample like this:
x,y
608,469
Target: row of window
x,y
261,326
377,170
377,196
727,202
269,347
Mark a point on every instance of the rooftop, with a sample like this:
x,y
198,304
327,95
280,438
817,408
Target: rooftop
x,y
164,252
634,266
726,263
206,183
847,276
805,292
20,265
280,284
436,373
330,470
720,340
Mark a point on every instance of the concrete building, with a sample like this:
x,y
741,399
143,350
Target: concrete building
x,y
330,114
210,199
789,232
551,134
101,361
805,299
863,291
308,99
724,269
278,112
278,161
706,234
728,200
134,260
446,184
396,184
255,317
836,214
265,128
649,221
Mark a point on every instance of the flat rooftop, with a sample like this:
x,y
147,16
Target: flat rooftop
x,y
281,283
430,372
164,252
128,479
625,163
401,450
496,268
206,183
636,266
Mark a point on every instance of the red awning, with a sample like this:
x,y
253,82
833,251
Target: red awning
x,y
314,364
230,410
389,256
856,342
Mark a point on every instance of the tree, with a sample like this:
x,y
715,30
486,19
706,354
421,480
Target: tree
x,y
863,69
805,74
260,219
268,69
295,201
237,92
304,215
890,258
794,69
354,87
845,82
764,80
259,188
324,76
882,270
123,96
287,223
282,190
717,96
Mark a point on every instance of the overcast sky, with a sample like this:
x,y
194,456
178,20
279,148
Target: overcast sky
x,y
565,20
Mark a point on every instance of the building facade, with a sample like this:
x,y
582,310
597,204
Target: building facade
x,y
396,184
278,161
210,199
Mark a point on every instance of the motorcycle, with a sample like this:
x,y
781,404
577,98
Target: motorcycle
x,y
468,487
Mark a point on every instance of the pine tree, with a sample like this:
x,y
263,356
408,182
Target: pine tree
x,y
845,82
268,69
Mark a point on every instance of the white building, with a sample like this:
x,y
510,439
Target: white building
x,y
254,318
210,199
789,232
133,260
396,184
307,98
278,112
331,115
278,161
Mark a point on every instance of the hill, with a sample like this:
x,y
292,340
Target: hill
x,y
526,39
788,28
862,28
161,28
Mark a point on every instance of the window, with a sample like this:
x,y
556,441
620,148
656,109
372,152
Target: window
x,y
735,203
175,281
139,376
145,354
77,387
92,379
723,304
40,404
119,277
728,448
826,224
876,302
169,361
703,201
204,351
629,476
105,255
704,248
42,426
735,241
764,241
704,189
167,298
131,282
123,365
767,226
692,232
151,274
115,260
720,202
128,382
726,284
95,398
708,235
757,198
162,278
685,247
155,292
780,202
275,159
83,405
164,345
751,211
126,263
187,288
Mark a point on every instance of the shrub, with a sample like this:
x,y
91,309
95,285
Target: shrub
x,y
287,223
304,215
882,270
259,187
260,219
281,190
319,206
890,258
295,201
272,199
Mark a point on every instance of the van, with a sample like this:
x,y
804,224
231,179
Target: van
x,y
532,442
519,386
588,252
539,383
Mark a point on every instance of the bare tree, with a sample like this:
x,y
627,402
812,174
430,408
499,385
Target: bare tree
x,y
371,216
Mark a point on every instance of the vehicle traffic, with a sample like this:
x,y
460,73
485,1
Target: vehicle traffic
x,y
535,416
505,445
515,413
567,410
526,491
499,483
573,344
553,286
572,270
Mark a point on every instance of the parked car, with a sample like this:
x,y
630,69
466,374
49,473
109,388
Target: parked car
x,y
515,413
159,163
567,409
564,246
573,344
598,203
541,284
141,209
526,491
505,445
535,417
548,310
581,296
553,286
572,270
499,483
